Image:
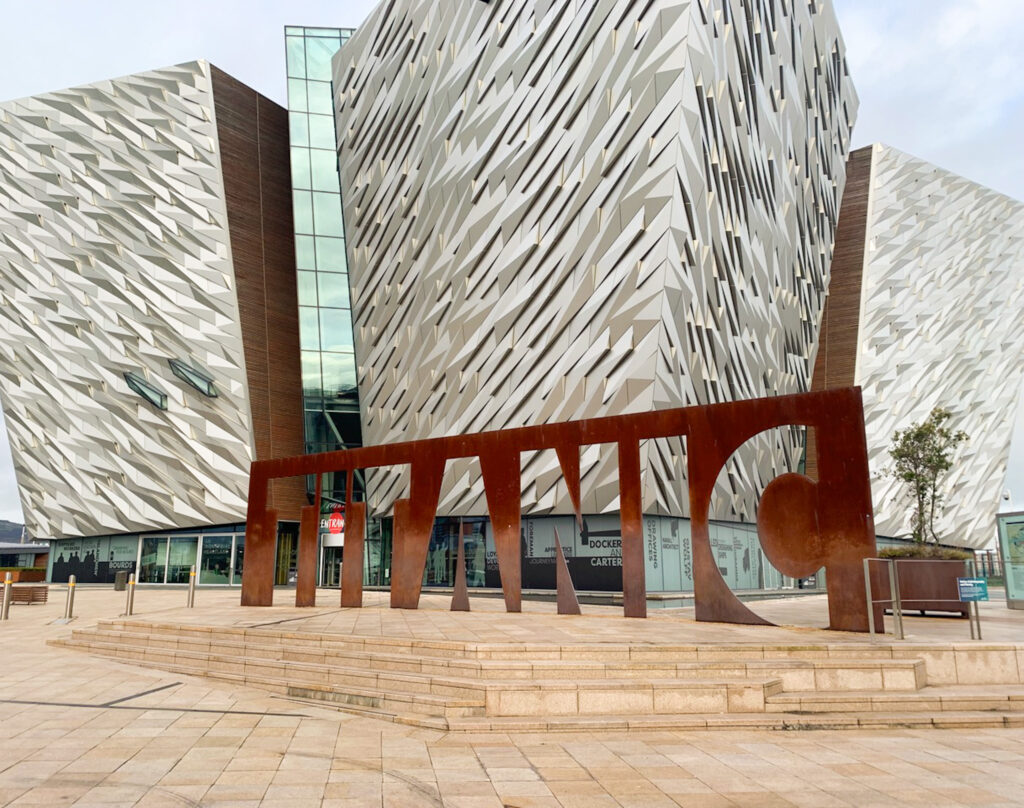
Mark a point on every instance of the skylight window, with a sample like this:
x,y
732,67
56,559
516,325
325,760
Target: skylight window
x,y
154,395
199,379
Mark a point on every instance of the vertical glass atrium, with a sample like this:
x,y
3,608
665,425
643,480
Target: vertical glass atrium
x,y
325,315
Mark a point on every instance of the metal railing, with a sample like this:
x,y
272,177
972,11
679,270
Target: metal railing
x,y
893,601
896,604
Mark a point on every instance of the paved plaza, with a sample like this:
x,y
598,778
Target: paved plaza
x,y
83,730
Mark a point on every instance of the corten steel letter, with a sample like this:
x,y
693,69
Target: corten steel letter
x,y
634,586
352,557
414,522
499,465
802,525
305,580
355,542
257,578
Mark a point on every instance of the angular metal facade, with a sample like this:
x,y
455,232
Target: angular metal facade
x,y
940,326
116,257
557,211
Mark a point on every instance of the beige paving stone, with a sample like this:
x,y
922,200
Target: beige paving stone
x,y
227,756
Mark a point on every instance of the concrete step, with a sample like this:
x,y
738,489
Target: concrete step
x,y
509,697
1004,699
761,721
795,673
506,687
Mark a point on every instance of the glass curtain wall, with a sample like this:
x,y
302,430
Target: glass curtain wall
x,y
325,313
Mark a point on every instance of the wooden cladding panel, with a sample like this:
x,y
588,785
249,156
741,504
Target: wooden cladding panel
x,y
253,135
836,362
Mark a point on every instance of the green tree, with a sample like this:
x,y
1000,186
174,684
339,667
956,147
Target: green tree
x,y
922,453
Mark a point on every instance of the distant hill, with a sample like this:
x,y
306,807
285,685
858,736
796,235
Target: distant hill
x,y
10,531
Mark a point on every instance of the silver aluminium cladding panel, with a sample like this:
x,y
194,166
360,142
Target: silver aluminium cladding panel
x,y
941,305
114,258
565,210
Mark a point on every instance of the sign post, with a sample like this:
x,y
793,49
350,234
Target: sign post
x,y
973,590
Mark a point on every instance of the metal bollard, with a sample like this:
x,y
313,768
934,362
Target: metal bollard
x,y
192,587
130,605
7,597
69,609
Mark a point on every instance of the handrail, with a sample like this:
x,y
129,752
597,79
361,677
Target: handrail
x,y
973,616
894,598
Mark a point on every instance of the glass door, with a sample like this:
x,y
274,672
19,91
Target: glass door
x,y
153,560
215,560
237,559
180,558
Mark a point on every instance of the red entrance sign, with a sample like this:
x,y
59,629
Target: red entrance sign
x,y
336,522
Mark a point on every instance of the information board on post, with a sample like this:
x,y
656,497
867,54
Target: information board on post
x,y
972,589
1011,548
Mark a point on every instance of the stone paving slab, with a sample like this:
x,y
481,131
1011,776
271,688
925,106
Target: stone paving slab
x,y
80,730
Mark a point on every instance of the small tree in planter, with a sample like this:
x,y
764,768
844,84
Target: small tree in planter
x,y
922,453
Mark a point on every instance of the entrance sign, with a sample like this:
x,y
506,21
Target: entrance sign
x,y
336,521
972,589
1011,548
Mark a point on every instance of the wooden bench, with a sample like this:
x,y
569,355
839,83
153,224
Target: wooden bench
x,y
29,594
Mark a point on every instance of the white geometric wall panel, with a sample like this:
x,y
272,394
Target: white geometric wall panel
x,y
940,326
565,210
114,258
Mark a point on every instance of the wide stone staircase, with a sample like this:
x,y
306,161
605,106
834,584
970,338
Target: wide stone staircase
x,y
474,686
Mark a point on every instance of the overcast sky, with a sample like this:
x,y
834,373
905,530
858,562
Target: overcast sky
x,y
939,79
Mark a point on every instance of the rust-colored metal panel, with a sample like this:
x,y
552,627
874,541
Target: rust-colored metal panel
x,y
568,603
352,558
805,522
305,581
634,586
499,466
414,522
460,597
260,559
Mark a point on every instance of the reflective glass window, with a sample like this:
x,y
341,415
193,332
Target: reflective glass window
x,y
295,56
321,97
335,329
327,214
311,370
333,290
297,95
330,254
298,128
324,169
302,211
304,254
309,331
153,394
321,132
215,560
307,288
339,372
300,167
319,51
